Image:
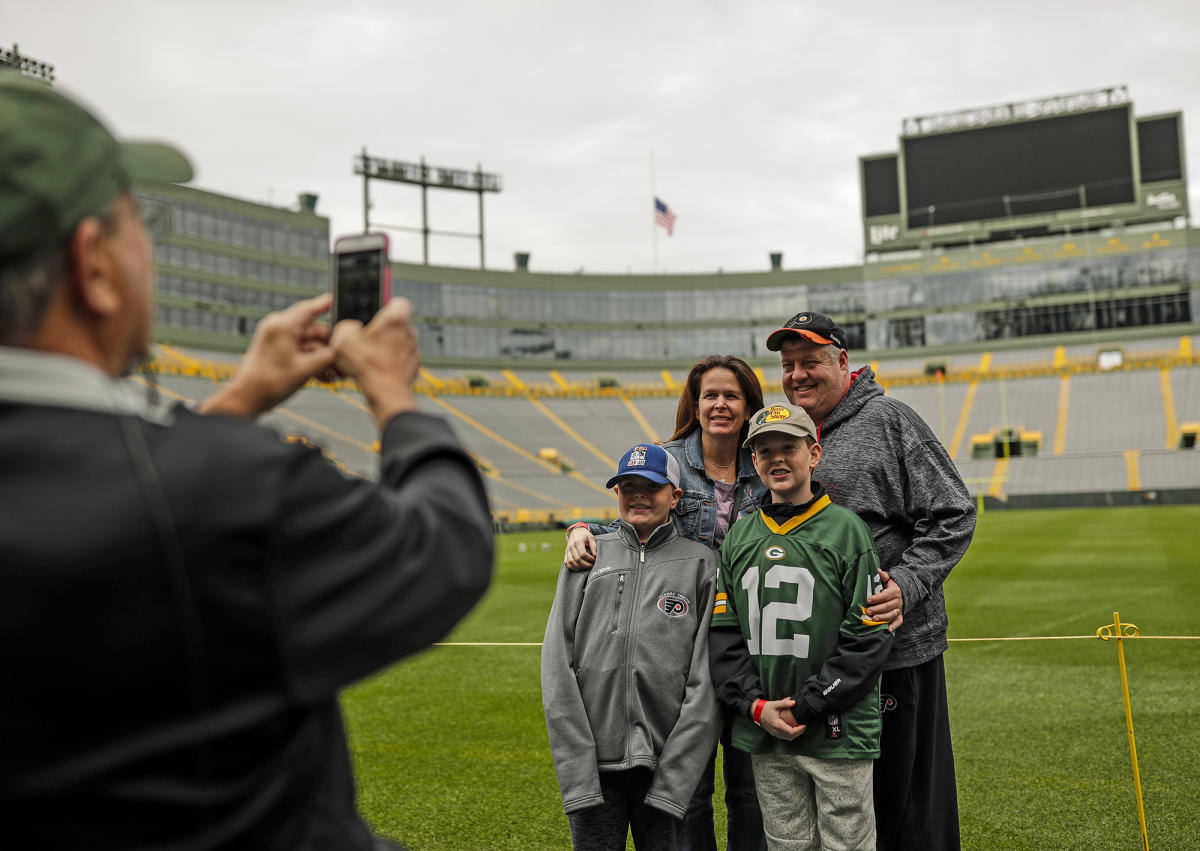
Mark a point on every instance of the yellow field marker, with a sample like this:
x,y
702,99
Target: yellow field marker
x,y
178,355
559,380
1133,475
524,453
999,477
503,441
496,476
1121,631
1064,408
608,462
963,416
334,433
1168,394
166,391
435,382
640,418
513,380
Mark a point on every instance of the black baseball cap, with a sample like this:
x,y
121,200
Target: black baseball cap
x,y
816,327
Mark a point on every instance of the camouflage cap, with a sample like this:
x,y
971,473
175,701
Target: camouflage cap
x,y
59,164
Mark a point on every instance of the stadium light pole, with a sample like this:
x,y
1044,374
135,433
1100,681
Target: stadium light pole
x,y
425,176
27,65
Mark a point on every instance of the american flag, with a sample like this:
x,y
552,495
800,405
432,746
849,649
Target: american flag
x,y
664,216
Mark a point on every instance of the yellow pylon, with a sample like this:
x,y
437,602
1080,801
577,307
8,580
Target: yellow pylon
x,y
1121,631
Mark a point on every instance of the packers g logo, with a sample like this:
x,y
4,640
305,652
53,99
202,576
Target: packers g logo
x,y
773,414
774,553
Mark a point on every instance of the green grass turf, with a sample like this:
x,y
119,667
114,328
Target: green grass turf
x,y
450,747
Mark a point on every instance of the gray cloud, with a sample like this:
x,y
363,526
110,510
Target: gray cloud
x,y
756,112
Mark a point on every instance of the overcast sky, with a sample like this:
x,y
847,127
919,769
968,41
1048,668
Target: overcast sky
x,y
756,112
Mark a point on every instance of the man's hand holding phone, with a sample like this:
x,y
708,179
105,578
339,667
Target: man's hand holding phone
x,y
288,348
383,356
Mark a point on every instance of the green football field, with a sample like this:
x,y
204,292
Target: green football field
x,y
451,752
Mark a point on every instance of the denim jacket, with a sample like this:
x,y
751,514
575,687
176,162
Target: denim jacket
x,y
696,513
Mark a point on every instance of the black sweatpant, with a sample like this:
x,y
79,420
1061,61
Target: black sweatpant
x,y
916,800
605,827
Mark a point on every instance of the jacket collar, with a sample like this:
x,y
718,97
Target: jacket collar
x,y
693,451
31,377
782,518
862,389
658,537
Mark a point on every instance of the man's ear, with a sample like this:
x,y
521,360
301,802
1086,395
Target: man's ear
x,y
816,456
843,360
92,276
675,495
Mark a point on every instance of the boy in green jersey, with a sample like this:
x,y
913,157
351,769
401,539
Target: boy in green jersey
x,y
791,649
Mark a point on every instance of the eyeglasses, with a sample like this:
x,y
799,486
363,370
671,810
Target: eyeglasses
x,y
156,218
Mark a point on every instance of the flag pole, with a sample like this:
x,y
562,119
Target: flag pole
x,y
653,217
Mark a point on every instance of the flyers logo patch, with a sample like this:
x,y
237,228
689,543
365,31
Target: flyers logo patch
x,y
773,414
887,703
774,553
673,605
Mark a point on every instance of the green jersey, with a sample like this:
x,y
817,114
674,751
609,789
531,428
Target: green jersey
x,y
797,591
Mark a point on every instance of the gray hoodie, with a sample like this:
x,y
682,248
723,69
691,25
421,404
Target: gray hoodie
x,y
881,460
625,679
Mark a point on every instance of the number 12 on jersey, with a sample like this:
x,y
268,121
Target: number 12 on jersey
x,y
764,639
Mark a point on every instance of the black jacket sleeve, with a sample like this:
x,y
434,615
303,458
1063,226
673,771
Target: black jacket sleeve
x,y
733,673
363,573
845,678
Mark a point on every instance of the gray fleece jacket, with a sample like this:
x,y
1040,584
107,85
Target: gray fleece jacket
x,y
881,460
625,679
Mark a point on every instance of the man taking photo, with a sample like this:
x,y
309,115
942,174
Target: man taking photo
x,y
183,594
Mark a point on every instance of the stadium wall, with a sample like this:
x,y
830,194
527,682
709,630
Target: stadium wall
x,y
224,262
1103,287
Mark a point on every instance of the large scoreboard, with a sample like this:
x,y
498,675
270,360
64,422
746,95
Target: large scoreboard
x,y
1054,165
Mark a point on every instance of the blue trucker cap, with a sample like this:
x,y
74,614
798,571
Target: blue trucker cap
x,y
652,462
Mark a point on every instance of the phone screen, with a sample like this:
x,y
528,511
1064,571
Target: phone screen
x,y
359,284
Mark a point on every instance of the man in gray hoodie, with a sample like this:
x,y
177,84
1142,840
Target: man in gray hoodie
x,y
882,461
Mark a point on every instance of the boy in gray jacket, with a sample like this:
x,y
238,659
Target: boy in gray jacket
x,y
629,704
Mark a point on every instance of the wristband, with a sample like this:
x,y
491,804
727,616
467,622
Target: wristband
x,y
758,710
575,526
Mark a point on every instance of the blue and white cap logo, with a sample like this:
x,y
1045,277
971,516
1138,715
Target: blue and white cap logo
x,y
650,462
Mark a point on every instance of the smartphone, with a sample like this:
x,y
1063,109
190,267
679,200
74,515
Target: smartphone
x,y
362,277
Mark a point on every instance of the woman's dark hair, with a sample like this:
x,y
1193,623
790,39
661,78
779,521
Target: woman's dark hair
x,y
687,415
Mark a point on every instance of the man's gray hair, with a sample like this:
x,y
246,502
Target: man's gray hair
x,y
26,289
27,285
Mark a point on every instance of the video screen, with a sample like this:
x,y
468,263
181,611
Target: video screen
x,y
1020,169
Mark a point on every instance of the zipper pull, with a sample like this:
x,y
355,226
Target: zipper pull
x,y
643,553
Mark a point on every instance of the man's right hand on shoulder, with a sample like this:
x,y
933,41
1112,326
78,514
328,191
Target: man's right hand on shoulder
x,y
581,549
